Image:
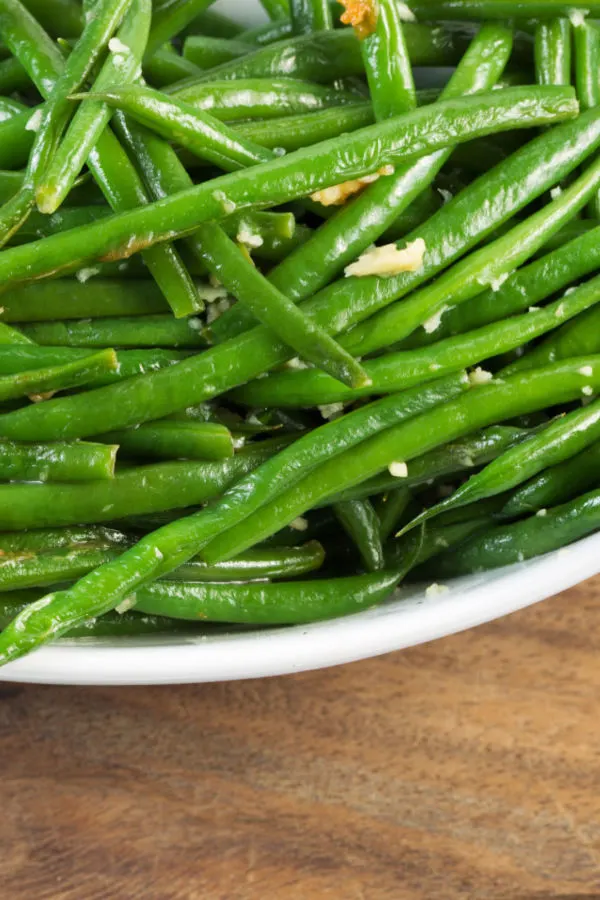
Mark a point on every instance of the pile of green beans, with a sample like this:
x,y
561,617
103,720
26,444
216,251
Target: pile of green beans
x,y
278,328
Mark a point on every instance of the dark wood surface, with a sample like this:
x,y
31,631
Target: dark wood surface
x,y
466,768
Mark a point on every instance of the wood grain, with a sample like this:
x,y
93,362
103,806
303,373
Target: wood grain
x,y
469,768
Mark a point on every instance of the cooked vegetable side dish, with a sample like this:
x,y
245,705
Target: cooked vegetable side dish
x,y
294,314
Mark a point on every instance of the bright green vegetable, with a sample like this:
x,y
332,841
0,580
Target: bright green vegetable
x,y
174,440
56,462
359,520
553,52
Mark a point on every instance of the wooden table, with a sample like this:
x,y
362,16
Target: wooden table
x,y
469,768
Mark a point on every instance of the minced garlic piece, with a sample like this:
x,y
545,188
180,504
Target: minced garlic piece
x,y
34,121
361,14
433,323
117,46
480,376
389,260
434,590
248,238
337,194
331,410
586,370
299,524
398,470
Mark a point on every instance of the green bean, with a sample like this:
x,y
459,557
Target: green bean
x,y
497,9
227,262
506,544
23,357
451,459
570,340
428,543
264,604
48,540
350,156
67,298
524,288
555,485
561,440
58,378
553,52
134,331
259,564
328,55
361,222
360,522
587,64
391,509
308,16
61,18
387,64
56,462
16,141
10,108
12,336
268,33
487,405
169,18
206,52
397,371
109,164
264,98
490,264
165,67
294,132
134,491
275,9
175,440
26,570
91,118
113,625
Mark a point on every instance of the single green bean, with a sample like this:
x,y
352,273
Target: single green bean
x,y
174,440
398,371
270,563
23,357
56,462
555,485
361,523
215,24
395,447
294,132
308,16
587,64
206,52
266,99
496,9
135,491
24,570
275,9
48,540
263,604
391,509
134,331
387,63
507,544
553,52
61,18
227,262
67,298
58,378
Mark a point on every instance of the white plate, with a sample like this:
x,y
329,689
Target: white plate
x,y
409,618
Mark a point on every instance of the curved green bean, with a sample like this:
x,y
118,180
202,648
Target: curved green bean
x,y
387,63
171,17
573,339
256,565
166,66
206,52
361,523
